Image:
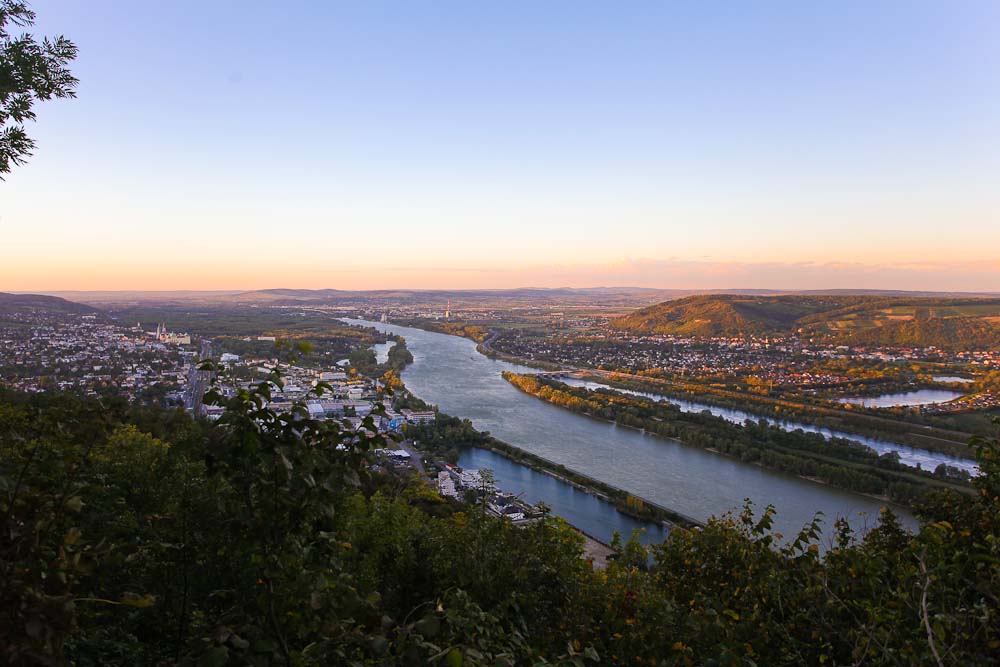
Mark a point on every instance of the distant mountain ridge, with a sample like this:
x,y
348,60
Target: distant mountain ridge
x,y
947,323
629,297
618,296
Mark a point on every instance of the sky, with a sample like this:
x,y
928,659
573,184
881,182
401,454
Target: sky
x,y
246,145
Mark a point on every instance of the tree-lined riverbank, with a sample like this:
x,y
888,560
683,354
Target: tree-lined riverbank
x,y
854,420
838,462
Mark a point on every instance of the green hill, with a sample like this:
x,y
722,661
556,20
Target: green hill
x,y
943,332
730,314
23,304
850,319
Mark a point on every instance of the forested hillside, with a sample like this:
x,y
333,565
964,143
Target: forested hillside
x,y
850,319
136,536
725,314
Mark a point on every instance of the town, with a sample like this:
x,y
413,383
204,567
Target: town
x,y
88,353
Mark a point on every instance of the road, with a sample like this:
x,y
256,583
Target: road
x,y
198,381
416,459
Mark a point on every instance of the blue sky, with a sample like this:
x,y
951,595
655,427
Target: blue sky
x,y
448,144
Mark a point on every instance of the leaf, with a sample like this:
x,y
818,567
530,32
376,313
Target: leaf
x,y
454,658
264,646
216,656
428,626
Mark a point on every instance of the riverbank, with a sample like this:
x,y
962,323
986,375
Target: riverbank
x,y
623,501
627,504
449,432
951,443
808,456
486,349
913,457
448,372
858,420
473,332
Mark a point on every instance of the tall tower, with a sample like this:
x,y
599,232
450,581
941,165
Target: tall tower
x,y
447,311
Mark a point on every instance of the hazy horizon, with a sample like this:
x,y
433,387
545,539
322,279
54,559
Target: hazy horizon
x,y
508,288
681,275
778,146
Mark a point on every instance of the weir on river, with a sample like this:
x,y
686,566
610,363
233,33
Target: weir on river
x,y
449,372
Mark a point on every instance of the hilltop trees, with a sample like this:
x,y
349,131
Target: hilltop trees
x,y
30,71
133,535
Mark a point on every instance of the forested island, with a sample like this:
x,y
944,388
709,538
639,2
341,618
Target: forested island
x,y
912,429
839,462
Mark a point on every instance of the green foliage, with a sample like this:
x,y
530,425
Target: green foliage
x,y
30,71
399,357
133,535
363,361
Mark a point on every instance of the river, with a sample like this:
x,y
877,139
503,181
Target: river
x,y
382,350
910,456
448,371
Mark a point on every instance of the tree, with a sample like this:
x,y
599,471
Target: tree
x,y
30,71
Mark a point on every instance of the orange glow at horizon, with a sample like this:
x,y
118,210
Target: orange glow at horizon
x,y
226,275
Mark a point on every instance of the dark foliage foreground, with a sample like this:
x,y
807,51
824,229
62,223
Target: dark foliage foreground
x,y
135,536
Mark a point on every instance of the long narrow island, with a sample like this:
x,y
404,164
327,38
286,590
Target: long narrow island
x,y
838,462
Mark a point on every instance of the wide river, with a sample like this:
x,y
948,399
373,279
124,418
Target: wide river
x,y
448,371
910,456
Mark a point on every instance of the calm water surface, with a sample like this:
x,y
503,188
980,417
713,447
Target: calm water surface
x,y
918,397
382,350
449,372
585,511
910,456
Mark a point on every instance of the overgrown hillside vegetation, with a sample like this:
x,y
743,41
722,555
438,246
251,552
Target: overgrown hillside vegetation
x,y
136,536
874,320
